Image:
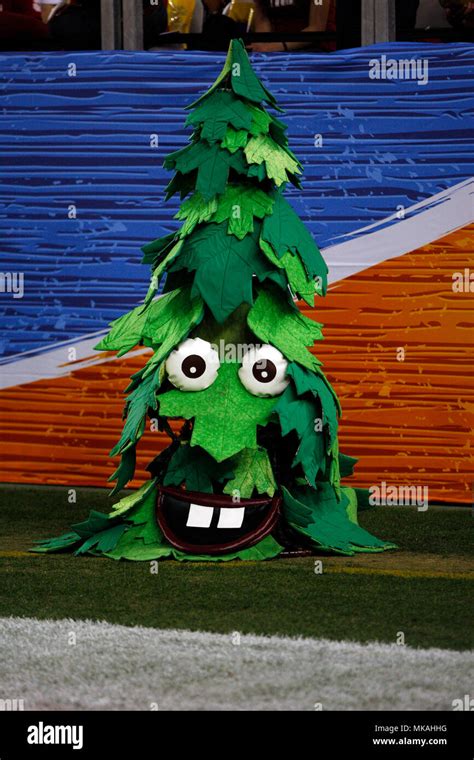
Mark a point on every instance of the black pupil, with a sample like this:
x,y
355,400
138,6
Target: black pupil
x,y
264,371
193,366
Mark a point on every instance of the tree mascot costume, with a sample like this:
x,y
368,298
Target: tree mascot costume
x,y
254,470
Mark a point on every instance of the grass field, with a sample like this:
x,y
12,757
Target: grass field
x,y
423,590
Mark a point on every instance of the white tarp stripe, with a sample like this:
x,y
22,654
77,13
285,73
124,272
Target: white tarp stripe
x,y
54,362
423,223
80,665
463,192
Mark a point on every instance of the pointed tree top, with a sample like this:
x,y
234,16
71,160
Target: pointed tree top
x,y
239,76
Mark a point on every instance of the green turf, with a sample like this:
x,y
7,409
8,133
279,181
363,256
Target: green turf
x,y
278,597
439,530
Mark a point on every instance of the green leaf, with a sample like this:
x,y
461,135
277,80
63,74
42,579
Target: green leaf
x,y
296,512
301,285
104,541
157,249
215,114
334,472
277,130
258,171
95,522
300,415
136,408
164,263
153,325
182,184
234,139
196,468
212,164
171,324
144,511
329,527
351,508
243,78
126,469
225,415
126,332
346,465
145,529
275,320
252,470
132,547
58,544
240,204
132,500
213,171
246,85
224,267
195,210
143,539
261,120
221,81
277,161
267,548
278,277
285,231
318,386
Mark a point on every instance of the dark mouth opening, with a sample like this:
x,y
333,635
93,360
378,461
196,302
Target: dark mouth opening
x,y
205,523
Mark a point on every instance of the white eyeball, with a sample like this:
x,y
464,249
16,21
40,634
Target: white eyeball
x,y
193,366
263,371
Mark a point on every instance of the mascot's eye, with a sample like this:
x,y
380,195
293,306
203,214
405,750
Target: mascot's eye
x,y
193,365
263,371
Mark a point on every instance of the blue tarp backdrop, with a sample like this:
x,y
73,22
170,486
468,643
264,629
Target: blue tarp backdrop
x,y
82,183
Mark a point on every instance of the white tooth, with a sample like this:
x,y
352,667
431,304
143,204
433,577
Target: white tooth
x,y
199,516
231,518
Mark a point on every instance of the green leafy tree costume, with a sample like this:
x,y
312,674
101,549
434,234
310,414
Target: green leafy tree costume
x,y
256,462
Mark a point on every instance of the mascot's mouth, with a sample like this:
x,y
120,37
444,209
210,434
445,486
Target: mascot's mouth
x,y
204,523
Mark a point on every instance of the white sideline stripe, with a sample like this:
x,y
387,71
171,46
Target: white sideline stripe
x,y
112,667
426,221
